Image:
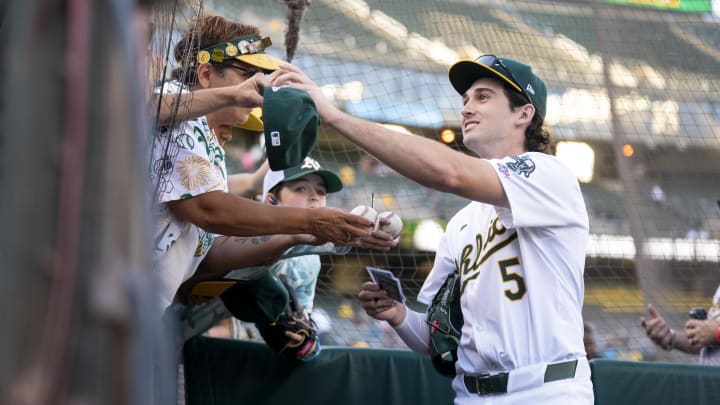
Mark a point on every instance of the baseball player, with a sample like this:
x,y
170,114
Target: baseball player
x,y
519,246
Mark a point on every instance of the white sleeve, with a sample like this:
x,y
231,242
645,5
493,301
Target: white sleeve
x,y
541,190
415,332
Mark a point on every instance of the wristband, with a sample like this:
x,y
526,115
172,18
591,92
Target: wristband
x,y
315,355
672,340
718,334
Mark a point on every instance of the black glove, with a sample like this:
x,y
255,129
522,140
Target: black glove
x,y
445,319
294,319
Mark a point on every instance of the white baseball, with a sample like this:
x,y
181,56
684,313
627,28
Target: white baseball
x,y
394,227
365,211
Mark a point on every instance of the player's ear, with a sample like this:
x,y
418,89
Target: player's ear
x,y
526,113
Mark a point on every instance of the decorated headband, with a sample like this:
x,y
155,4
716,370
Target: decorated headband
x,y
221,52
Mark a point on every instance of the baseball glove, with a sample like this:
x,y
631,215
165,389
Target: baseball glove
x,y
296,320
445,319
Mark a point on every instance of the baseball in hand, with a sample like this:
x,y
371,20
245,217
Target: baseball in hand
x,y
365,211
394,227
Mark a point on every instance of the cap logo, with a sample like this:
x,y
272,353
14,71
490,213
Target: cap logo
x,y
530,89
275,138
310,163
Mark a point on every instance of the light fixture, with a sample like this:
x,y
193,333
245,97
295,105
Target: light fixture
x,y
427,235
579,157
628,150
447,135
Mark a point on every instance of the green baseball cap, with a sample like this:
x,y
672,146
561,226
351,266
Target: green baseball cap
x,y
517,74
309,165
291,125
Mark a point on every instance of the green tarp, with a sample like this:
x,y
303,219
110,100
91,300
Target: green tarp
x,y
639,383
225,372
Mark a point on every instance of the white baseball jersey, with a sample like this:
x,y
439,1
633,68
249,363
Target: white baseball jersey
x,y
522,269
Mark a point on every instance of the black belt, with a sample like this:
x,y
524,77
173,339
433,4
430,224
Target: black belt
x,y
497,383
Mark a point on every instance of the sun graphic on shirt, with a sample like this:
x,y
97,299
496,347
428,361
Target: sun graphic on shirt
x,y
194,171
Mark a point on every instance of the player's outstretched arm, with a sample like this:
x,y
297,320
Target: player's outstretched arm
x,y
423,160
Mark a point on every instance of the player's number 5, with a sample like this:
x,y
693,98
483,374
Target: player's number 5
x,y
509,277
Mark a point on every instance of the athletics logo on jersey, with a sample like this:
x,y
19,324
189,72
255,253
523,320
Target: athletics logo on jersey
x,y
521,165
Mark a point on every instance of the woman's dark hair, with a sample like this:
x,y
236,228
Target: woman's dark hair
x,y
211,30
537,138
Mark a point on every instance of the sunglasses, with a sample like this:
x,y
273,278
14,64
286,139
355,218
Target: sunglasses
x,y
492,61
247,71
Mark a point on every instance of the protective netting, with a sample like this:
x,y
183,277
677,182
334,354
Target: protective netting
x,y
635,90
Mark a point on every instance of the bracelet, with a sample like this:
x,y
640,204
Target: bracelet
x,y
315,355
672,341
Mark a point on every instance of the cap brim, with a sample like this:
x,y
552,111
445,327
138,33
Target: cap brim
x,y
254,122
465,72
261,60
333,183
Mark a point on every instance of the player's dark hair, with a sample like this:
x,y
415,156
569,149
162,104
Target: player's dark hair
x,y
537,138
211,30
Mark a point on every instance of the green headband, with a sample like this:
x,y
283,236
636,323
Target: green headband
x,y
221,52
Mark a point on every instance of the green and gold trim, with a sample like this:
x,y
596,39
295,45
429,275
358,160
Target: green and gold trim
x,y
245,45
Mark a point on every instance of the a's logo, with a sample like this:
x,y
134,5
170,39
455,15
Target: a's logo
x,y
275,138
521,165
310,163
530,89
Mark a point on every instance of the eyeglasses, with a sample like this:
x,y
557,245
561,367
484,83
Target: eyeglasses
x,y
492,60
247,71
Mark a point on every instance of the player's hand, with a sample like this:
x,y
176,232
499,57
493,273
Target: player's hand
x,y
656,328
289,75
378,305
701,332
338,226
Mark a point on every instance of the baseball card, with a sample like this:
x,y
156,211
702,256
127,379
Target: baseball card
x,y
388,282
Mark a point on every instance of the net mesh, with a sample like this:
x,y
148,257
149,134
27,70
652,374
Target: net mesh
x,y
635,88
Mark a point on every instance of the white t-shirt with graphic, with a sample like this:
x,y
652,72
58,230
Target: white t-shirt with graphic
x,y
187,161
